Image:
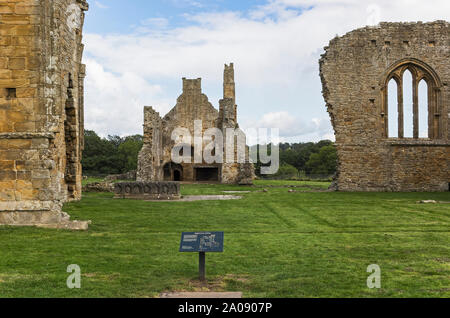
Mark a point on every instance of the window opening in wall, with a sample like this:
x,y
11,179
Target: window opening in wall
x,y
11,93
408,112
415,110
393,109
423,109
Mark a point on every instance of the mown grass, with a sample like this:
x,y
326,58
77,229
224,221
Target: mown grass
x,y
91,180
277,244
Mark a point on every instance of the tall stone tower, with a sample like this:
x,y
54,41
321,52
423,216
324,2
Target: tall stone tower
x,y
234,169
229,88
41,110
227,105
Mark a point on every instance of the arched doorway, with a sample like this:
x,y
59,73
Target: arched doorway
x,y
173,172
176,175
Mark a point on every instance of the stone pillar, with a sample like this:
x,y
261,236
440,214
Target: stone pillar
x,y
150,156
40,119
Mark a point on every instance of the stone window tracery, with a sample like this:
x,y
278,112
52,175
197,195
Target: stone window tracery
x,y
411,119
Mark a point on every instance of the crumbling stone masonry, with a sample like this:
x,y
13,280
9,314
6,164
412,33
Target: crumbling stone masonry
x,y
356,70
164,190
41,110
155,160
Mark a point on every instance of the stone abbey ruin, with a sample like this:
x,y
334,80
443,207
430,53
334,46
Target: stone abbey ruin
x,y
42,124
376,150
155,158
41,110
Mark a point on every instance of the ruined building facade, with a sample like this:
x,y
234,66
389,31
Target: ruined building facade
x,y
155,159
389,138
41,110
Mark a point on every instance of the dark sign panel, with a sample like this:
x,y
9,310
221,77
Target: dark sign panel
x,y
201,242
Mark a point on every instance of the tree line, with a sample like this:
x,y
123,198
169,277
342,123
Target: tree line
x,y
111,155
305,160
116,155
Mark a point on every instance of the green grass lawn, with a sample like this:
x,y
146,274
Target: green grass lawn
x,y
277,244
91,180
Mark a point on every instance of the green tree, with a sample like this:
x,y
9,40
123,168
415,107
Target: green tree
x,y
129,151
286,171
324,162
112,155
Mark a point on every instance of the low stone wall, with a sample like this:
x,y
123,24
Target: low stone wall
x,y
148,190
131,175
99,187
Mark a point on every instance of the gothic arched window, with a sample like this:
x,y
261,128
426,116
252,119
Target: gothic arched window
x,y
411,101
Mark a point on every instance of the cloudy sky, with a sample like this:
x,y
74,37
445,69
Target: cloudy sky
x,y
137,51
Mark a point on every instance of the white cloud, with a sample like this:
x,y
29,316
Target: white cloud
x,y
292,128
101,5
275,49
115,101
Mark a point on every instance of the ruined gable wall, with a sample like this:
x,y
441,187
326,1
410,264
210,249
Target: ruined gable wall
x,y
41,126
191,105
353,70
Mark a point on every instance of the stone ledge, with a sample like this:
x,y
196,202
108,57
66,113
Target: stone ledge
x,y
28,206
399,142
42,219
418,142
16,135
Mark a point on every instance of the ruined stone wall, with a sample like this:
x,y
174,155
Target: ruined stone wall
x,y
192,105
150,157
41,109
235,169
355,70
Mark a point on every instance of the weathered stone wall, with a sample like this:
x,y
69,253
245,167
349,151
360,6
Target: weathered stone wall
x,y
130,175
192,105
355,71
41,109
150,157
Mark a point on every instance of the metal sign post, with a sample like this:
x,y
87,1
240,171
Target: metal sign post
x,y
202,266
202,242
